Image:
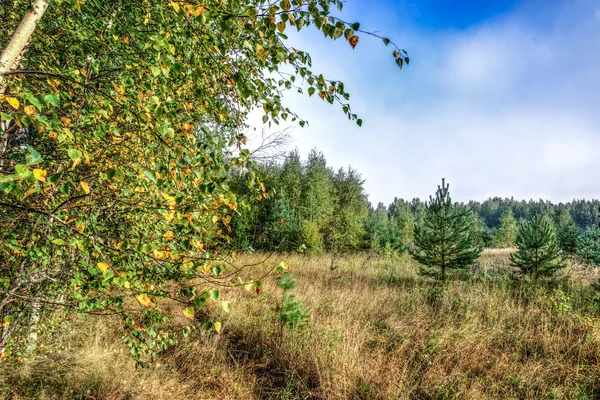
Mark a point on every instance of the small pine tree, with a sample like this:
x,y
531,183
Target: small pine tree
x,y
538,254
293,313
445,240
588,247
567,232
507,233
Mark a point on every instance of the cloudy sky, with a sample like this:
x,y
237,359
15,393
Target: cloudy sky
x,y
502,98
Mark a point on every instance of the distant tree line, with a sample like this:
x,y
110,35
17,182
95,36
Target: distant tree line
x,y
309,206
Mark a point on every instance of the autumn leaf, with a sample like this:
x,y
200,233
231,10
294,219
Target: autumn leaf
x,y
322,95
40,174
262,53
353,40
102,266
217,326
14,103
29,110
145,300
189,313
215,218
169,235
85,187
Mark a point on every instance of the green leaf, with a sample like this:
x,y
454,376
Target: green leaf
x,y
399,62
52,99
226,306
359,122
355,26
214,295
386,41
74,154
285,5
151,175
199,302
52,179
311,91
107,274
155,70
58,242
33,157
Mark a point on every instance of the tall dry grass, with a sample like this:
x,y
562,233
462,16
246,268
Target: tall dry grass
x,y
377,332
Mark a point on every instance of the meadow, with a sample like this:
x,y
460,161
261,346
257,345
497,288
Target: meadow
x,y
377,331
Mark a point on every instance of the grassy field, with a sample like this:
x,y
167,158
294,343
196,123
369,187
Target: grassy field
x,y
377,332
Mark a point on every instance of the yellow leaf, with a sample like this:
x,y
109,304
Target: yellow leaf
x,y
169,235
29,110
227,219
189,313
145,300
217,326
119,90
261,52
127,285
85,187
353,41
102,266
40,174
174,5
14,103
215,219
281,26
188,264
199,11
65,121
80,227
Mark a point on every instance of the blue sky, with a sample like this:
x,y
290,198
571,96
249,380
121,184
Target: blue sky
x,y
500,98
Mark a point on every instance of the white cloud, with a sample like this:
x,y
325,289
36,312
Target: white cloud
x,y
508,108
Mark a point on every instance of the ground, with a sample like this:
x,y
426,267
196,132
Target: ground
x,y
378,331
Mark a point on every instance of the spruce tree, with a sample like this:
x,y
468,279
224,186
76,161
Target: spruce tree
x,y
538,254
445,240
507,233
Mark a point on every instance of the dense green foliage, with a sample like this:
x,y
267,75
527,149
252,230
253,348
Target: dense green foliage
x,y
445,240
538,254
588,247
116,129
312,206
507,233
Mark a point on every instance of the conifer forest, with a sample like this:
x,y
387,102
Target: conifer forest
x,y
150,248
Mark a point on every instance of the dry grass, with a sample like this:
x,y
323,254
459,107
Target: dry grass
x,y
377,332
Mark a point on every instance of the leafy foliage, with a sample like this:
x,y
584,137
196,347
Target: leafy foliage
x,y
115,182
445,240
507,233
538,254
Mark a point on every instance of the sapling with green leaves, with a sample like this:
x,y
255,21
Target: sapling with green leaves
x,y
538,254
445,240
